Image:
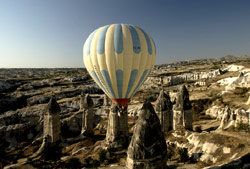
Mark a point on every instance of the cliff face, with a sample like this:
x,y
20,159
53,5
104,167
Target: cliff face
x,y
215,148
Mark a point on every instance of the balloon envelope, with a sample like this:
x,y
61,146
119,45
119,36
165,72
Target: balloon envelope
x,y
119,57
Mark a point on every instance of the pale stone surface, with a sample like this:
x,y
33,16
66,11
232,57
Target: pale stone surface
x,y
225,119
248,101
38,100
105,100
87,116
178,112
117,130
233,68
226,150
133,112
147,149
177,119
242,116
185,77
215,111
76,78
238,82
52,124
228,116
164,111
82,97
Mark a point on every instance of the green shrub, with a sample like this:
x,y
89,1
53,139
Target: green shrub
x,y
87,162
206,117
239,90
102,156
170,152
242,126
151,97
110,151
240,145
153,87
198,129
102,130
19,153
125,143
183,153
37,142
73,163
96,164
51,153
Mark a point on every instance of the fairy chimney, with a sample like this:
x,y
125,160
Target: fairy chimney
x,y
87,116
164,111
117,130
82,97
52,124
178,112
187,109
147,149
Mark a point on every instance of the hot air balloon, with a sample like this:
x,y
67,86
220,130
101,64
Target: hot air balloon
x,y
119,57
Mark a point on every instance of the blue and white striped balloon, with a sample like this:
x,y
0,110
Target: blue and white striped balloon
x,y
119,57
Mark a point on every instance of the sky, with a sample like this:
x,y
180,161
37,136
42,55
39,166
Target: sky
x,y
51,33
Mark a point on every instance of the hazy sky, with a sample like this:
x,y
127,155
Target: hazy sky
x,y
51,33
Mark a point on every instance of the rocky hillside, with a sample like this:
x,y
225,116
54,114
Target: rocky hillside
x,y
218,92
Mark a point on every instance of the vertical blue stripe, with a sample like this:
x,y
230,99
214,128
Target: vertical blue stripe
x,y
147,76
119,78
148,41
106,77
133,75
140,82
101,40
154,45
99,82
118,40
88,42
135,39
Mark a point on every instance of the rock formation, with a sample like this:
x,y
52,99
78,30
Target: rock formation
x,y
225,118
52,124
106,104
178,112
185,77
242,81
241,74
248,101
105,100
187,108
164,111
82,97
229,116
147,149
117,130
87,116
182,110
